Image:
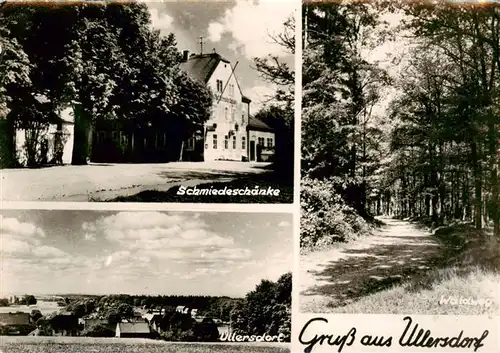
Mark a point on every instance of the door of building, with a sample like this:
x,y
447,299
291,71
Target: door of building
x,y
252,150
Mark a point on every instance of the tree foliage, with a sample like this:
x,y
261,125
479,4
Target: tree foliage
x,y
433,153
266,309
104,60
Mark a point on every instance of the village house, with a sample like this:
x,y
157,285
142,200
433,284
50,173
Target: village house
x,y
133,330
155,322
230,133
183,309
224,329
48,144
15,324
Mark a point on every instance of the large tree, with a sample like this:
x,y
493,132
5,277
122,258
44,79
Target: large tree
x,y
107,62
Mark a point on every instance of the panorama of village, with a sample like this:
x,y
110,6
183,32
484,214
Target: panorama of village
x,y
107,316
145,281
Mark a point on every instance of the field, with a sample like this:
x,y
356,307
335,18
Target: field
x,y
44,306
127,345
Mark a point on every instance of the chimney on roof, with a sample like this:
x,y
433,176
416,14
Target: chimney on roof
x,y
185,56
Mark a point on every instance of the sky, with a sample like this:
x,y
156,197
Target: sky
x,y
391,55
238,30
157,253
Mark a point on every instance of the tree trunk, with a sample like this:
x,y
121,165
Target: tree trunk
x,y
82,136
477,187
182,151
494,201
8,144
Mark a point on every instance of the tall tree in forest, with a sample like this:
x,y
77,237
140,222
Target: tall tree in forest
x,y
466,35
340,89
275,71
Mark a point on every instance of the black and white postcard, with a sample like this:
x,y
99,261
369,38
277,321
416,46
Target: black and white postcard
x,y
136,101
102,281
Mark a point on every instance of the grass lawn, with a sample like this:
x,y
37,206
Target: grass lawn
x,y
263,181
126,345
468,271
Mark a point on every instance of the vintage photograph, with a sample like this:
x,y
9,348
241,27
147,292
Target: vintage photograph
x,y
400,156
103,281
137,101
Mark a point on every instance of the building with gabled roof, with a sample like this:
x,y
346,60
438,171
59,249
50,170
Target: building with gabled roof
x,y
230,133
133,330
14,319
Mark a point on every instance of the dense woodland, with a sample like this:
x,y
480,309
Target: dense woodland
x,y
432,153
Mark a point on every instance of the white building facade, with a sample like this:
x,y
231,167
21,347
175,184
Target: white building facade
x,y
229,133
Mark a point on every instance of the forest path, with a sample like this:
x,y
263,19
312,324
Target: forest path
x,y
339,276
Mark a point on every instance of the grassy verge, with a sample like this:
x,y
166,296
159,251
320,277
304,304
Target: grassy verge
x,y
263,181
127,345
464,281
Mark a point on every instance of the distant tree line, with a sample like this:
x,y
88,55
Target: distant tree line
x,y
15,300
207,306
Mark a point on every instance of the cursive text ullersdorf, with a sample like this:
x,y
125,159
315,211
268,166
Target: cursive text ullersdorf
x,y
423,338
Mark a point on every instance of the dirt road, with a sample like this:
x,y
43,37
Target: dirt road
x,y
101,182
339,276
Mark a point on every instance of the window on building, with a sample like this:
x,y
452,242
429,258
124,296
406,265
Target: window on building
x,y
219,86
226,142
243,143
231,90
214,142
101,137
260,141
234,142
123,138
243,118
269,142
190,144
114,136
226,113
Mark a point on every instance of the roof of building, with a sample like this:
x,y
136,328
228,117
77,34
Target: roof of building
x,y
202,66
133,327
95,321
10,319
152,316
257,124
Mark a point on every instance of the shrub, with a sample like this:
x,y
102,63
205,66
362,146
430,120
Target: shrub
x,y
325,217
98,331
